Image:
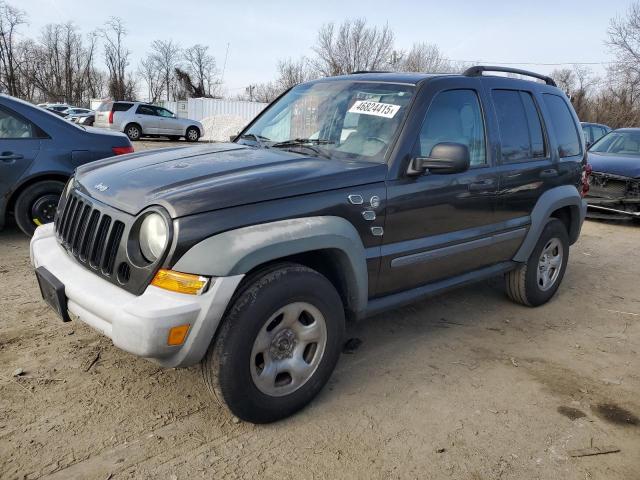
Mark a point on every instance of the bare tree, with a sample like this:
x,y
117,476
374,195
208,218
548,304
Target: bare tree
x,y
151,75
351,47
201,67
116,56
11,19
166,55
292,72
423,57
565,79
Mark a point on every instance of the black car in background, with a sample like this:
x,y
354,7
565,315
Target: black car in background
x,y
615,180
38,153
593,132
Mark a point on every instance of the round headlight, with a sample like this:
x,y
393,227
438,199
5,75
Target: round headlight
x,y
153,236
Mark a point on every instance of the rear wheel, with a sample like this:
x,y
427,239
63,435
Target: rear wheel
x,y
535,282
133,131
192,134
37,205
277,345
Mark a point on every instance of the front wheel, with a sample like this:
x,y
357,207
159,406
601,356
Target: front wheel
x,y
37,205
192,135
277,345
535,282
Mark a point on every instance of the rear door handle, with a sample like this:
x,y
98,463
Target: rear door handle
x,y
549,173
481,186
10,157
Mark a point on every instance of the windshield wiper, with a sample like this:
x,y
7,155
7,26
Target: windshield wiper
x,y
305,143
258,138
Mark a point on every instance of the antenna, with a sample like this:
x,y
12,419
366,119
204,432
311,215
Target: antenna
x,y
224,66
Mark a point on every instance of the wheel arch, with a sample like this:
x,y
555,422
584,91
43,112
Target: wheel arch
x,y
330,245
41,177
564,203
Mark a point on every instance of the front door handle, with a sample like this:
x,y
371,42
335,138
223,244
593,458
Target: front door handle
x,y
10,157
481,186
549,173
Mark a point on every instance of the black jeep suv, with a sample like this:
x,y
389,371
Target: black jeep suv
x,y
345,197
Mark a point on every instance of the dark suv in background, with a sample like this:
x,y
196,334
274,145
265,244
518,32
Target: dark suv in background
x,y
38,153
347,196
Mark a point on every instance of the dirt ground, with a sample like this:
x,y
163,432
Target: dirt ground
x,y
464,386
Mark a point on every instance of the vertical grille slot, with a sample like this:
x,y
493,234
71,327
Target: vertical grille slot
x,y
82,228
73,225
89,235
112,247
61,221
73,203
97,248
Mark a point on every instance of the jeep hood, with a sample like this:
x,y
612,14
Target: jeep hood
x,y
193,180
622,165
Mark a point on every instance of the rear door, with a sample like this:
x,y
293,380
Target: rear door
x,y
147,117
527,166
19,147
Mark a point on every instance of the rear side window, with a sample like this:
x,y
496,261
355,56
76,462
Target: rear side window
x,y
14,127
521,132
563,126
121,107
105,107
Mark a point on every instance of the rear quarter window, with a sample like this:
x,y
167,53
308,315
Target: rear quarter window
x,y
105,107
121,107
563,125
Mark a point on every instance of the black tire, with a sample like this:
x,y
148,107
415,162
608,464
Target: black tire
x,y
228,365
523,285
133,131
36,205
192,134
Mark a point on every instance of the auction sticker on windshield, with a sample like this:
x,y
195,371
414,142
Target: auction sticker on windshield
x,y
378,109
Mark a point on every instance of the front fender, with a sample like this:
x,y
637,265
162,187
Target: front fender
x,y
238,251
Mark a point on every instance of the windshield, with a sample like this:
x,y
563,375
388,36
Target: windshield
x,y
337,119
618,143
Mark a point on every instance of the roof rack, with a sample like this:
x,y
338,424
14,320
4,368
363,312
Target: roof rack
x,y
477,71
357,72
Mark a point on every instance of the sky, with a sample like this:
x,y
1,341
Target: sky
x,y
259,33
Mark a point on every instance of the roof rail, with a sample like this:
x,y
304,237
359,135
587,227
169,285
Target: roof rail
x,y
357,72
477,71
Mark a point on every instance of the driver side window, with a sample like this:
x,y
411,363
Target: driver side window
x,y
454,116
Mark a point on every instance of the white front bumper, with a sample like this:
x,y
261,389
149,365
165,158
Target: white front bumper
x,y
137,324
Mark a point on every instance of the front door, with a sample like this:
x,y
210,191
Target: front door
x,y
167,123
19,147
441,225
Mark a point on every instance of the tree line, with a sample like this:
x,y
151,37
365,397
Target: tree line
x,y
63,65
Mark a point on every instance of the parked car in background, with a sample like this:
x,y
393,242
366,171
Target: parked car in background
x,y
248,257
139,120
38,153
59,113
57,107
593,132
85,119
77,111
614,190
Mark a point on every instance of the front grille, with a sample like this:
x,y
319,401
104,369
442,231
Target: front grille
x,y
89,234
607,187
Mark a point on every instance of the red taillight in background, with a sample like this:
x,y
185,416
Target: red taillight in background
x,y
111,116
586,173
122,150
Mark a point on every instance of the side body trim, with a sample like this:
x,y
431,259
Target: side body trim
x,y
458,248
236,252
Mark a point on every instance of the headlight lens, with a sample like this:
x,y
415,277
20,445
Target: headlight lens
x,y
153,236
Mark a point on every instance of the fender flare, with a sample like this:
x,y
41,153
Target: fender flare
x,y
550,201
238,251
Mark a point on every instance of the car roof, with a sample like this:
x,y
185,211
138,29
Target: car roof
x,y
627,130
386,77
594,124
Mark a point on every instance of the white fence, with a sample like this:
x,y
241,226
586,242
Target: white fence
x,y
221,118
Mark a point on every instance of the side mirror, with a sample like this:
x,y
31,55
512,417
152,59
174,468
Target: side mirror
x,y
445,157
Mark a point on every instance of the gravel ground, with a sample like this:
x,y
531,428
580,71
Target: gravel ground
x,y
467,386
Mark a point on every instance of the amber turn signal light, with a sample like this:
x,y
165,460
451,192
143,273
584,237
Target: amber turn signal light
x,y
177,335
180,282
